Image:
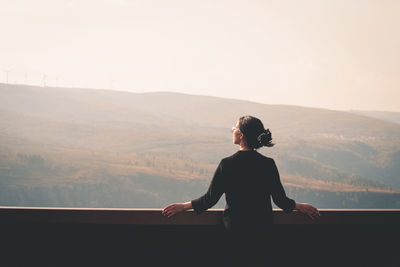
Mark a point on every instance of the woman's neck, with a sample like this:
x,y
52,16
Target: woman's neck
x,y
244,148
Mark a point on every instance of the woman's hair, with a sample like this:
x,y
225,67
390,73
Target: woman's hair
x,y
254,132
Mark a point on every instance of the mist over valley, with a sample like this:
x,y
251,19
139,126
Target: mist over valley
x,y
98,148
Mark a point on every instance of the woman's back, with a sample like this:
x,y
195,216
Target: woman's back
x,y
248,180
247,186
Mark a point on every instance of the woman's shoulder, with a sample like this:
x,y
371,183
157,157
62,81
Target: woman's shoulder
x,y
240,155
265,157
230,158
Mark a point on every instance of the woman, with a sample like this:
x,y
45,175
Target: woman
x,y
248,180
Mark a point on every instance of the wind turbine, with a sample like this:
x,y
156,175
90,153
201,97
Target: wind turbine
x,y
7,71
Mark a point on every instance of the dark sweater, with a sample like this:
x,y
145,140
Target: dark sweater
x,y
248,180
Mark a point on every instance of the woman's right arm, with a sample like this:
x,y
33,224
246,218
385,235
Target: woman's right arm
x,y
285,203
278,192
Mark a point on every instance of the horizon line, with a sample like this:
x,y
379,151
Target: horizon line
x,y
194,94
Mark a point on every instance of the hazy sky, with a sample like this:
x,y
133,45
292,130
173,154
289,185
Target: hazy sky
x,y
332,54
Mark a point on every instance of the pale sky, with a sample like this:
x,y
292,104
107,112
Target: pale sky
x,y
336,54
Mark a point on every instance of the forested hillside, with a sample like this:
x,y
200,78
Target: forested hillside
x,y
99,148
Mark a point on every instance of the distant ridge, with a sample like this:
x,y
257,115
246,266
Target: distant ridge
x,y
382,115
73,137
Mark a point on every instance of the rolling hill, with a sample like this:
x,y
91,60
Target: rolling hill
x,y
149,149
382,115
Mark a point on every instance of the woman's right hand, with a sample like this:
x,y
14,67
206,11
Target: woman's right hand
x,y
307,209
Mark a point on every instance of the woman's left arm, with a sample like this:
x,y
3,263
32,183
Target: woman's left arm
x,y
307,209
209,199
175,208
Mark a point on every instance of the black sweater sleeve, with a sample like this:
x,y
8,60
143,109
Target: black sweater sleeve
x,y
213,194
278,193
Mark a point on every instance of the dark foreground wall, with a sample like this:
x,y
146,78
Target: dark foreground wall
x,y
88,237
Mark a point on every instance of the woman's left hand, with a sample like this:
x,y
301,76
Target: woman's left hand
x,y
308,209
173,209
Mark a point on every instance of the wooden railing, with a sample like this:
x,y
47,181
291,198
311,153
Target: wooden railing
x,y
38,236
210,217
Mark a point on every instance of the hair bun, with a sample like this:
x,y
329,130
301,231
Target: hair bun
x,y
255,134
265,138
260,137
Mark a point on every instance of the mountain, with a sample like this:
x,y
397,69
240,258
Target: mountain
x,y
382,115
87,147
